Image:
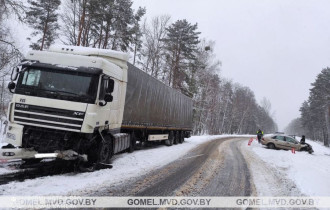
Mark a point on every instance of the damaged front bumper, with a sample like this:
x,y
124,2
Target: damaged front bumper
x,y
16,153
20,153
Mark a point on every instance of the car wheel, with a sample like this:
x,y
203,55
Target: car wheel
x,y
271,146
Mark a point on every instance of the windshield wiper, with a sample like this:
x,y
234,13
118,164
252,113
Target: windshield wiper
x,y
60,91
76,94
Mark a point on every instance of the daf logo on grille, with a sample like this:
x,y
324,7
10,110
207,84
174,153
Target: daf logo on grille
x,y
22,106
78,113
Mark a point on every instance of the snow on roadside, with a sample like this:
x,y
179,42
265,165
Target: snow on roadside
x,y
310,173
125,166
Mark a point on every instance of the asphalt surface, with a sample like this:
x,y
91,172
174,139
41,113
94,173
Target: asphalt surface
x,y
215,168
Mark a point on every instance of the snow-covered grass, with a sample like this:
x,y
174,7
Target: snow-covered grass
x,y
310,173
125,166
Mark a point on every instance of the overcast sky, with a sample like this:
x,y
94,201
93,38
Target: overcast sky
x,y
275,47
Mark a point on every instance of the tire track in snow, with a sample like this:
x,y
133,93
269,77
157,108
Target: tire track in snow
x,y
268,180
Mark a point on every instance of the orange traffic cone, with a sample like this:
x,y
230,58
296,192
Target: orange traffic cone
x,y
250,141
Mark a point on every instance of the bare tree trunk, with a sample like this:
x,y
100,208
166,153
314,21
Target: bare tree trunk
x,y
106,35
134,54
82,22
224,116
85,41
327,120
74,22
2,97
101,34
44,31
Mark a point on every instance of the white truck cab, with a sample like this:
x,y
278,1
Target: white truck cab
x,y
67,92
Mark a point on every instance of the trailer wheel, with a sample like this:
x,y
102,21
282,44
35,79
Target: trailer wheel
x,y
177,137
170,140
181,137
132,143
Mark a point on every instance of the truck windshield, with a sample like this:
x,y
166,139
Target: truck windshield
x,y
62,85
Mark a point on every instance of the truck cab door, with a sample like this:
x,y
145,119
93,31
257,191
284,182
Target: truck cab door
x,y
109,102
105,99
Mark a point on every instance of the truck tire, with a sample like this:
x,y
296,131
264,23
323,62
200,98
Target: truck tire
x,y
170,140
105,150
177,137
132,143
181,137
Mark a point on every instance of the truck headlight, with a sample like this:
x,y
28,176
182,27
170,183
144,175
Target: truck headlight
x,y
11,136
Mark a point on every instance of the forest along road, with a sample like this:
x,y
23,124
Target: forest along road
x,y
215,168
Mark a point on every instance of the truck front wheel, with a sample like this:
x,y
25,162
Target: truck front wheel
x,y
105,150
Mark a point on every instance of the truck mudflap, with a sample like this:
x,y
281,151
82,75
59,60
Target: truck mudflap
x,y
19,153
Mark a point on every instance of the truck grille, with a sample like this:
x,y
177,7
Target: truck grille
x,y
48,117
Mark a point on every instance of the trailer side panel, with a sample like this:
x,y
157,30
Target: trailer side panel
x,y
151,103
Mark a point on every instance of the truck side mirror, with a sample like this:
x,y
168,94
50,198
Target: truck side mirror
x,y
11,86
111,85
108,97
14,73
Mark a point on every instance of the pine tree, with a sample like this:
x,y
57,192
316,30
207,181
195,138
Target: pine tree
x,y
319,104
106,24
42,17
315,111
137,33
124,25
181,43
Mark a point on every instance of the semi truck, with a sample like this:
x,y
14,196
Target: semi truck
x,y
84,103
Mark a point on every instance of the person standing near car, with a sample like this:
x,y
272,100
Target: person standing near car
x,y
302,141
259,135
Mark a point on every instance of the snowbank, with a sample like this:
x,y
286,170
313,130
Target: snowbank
x,y
310,173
